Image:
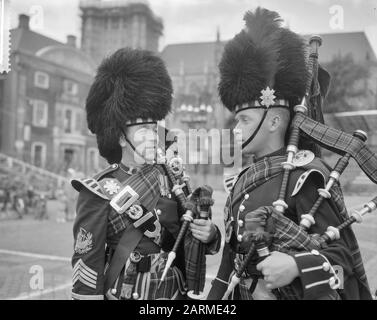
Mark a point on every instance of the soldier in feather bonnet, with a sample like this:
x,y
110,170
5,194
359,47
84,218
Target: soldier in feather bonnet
x,y
127,215
263,76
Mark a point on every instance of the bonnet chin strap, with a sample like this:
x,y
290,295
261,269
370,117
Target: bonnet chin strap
x,y
130,143
251,138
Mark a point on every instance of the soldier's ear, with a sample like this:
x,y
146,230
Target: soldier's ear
x,y
276,120
122,140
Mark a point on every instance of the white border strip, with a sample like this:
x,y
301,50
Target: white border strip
x,y
35,255
2,31
43,292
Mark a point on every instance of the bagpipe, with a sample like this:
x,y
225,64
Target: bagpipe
x,y
197,205
307,128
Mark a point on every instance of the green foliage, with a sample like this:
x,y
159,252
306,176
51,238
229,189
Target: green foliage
x,y
348,82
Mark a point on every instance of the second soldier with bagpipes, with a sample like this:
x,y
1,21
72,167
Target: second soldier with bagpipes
x,y
128,216
275,92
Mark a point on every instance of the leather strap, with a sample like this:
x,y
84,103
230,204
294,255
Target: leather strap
x,y
127,244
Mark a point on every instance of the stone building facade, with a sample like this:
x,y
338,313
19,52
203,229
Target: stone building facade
x,y
109,25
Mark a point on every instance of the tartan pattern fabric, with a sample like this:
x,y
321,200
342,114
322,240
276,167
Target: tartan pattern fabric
x,y
195,250
339,142
146,185
289,236
147,283
257,174
195,273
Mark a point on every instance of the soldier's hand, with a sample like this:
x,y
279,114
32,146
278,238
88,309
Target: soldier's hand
x,y
279,269
203,230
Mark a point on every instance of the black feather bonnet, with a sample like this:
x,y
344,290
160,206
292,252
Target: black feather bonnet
x,y
263,54
130,84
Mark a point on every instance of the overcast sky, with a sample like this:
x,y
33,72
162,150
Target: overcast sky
x,y
197,20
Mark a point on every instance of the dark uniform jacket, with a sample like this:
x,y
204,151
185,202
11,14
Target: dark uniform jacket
x,y
97,235
313,282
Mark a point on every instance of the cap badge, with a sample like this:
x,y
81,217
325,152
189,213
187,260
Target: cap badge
x,y
268,97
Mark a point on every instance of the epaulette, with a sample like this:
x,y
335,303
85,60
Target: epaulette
x,y
303,177
94,184
108,170
230,178
313,165
91,184
229,183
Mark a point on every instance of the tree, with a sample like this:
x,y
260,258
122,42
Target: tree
x,y
349,84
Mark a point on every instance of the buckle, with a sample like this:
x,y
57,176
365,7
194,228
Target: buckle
x,y
124,199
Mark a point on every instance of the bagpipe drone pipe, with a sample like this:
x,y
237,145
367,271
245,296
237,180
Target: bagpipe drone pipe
x,y
197,205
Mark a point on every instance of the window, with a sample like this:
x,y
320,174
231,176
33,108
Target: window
x,y
73,121
26,133
38,154
68,121
40,113
41,80
70,87
78,122
115,23
92,159
68,157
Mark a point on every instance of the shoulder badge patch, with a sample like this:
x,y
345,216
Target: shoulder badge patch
x,y
84,242
111,186
303,157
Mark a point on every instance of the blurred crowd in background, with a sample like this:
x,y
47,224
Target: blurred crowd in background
x,y
29,197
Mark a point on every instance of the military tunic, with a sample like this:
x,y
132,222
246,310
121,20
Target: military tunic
x,y
313,281
97,237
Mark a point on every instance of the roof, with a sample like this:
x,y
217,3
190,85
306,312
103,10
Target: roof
x,y
28,41
194,56
353,120
355,43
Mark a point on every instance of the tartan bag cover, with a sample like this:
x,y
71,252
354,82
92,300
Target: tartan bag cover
x,y
289,236
339,142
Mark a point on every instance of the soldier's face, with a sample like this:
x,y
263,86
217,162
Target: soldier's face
x,y
144,139
247,122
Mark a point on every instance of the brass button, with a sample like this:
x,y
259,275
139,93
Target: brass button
x,y
135,296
